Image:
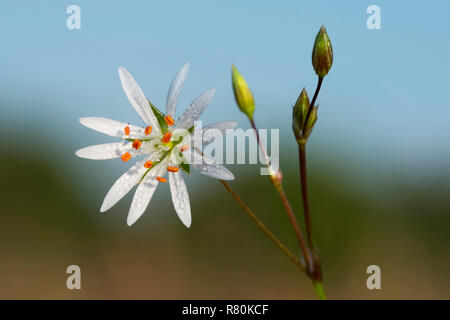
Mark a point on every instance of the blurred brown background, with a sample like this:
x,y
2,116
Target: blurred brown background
x,y
50,219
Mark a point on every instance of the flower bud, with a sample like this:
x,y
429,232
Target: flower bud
x,y
242,93
299,113
322,55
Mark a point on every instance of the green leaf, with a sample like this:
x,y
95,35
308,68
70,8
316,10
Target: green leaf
x,y
160,117
185,167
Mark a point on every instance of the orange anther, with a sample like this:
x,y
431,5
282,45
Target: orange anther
x,y
160,179
126,156
172,169
148,130
183,148
148,164
166,137
127,130
136,144
169,120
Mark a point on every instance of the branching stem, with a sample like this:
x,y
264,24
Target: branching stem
x,y
313,101
276,178
317,269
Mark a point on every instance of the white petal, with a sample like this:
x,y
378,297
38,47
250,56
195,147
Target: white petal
x,y
207,166
214,170
175,90
137,98
209,132
195,109
112,127
123,185
107,126
144,193
180,197
104,151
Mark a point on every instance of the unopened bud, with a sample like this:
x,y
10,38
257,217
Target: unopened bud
x,y
299,113
242,93
322,55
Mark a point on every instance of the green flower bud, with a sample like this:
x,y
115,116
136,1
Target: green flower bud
x,y
311,122
322,55
299,112
242,93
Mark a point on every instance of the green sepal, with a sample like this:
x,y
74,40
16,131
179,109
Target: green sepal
x,y
160,117
185,167
311,122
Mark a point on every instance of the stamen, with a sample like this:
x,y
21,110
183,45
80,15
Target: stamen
x,y
166,137
183,148
169,120
148,164
136,144
160,179
127,130
172,169
126,156
148,130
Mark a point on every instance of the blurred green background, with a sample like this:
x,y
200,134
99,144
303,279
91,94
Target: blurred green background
x,y
378,159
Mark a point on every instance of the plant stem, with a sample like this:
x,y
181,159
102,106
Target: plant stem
x,y
313,101
276,182
304,188
318,287
266,157
317,268
261,225
297,231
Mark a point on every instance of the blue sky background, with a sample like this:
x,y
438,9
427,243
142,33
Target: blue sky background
x,y
385,100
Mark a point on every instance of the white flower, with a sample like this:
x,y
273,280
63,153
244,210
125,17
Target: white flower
x,y
164,143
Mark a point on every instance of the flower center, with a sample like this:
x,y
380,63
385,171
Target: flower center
x,y
169,144
161,147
